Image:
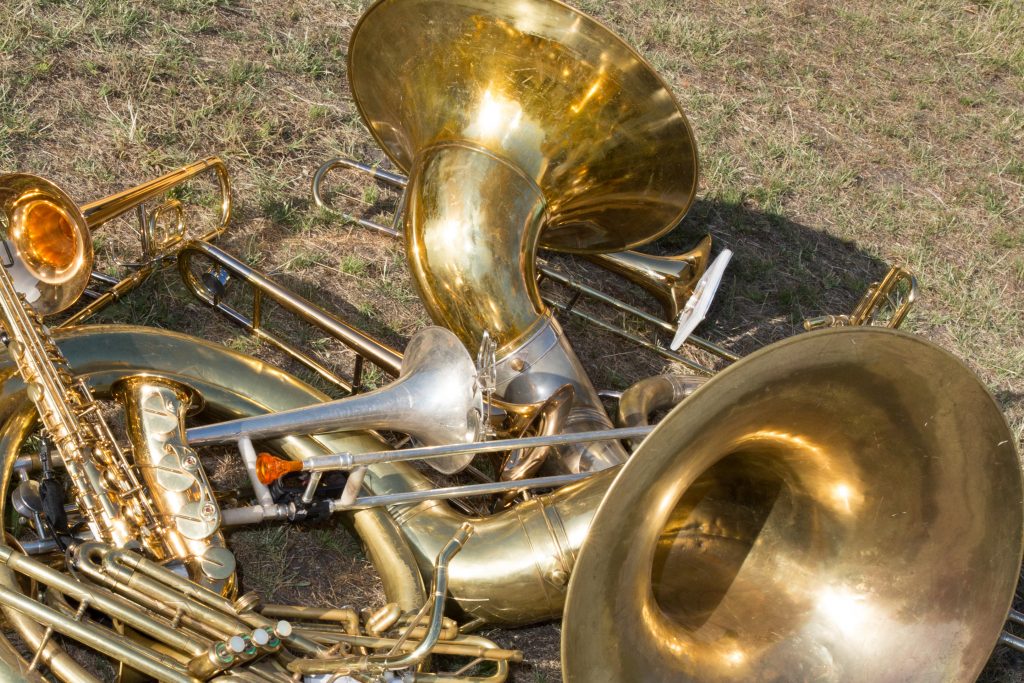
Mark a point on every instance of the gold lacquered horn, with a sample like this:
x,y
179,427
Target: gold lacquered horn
x,y
520,125
49,233
842,505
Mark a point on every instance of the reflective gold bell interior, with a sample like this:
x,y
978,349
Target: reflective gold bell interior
x,y
544,89
519,124
46,245
840,506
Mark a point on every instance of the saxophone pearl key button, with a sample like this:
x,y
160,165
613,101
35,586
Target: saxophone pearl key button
x,y
208,511
196,522
171,474
217,563
160,422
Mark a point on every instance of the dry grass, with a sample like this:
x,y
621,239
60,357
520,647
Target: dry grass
x,y
835,138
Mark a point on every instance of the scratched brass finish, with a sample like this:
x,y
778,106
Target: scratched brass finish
x,y
547,88
521,125
470,278
863,475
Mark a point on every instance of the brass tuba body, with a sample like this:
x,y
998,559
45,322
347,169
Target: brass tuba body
x,y
536,139
834,507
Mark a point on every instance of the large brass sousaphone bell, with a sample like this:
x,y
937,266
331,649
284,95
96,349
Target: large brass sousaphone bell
x,y
840,506
519,124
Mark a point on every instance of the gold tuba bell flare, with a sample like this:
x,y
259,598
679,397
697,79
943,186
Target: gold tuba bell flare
x,y
520,125
839,506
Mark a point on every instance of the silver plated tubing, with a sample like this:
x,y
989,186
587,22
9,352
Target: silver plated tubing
x,y
463,491
345,461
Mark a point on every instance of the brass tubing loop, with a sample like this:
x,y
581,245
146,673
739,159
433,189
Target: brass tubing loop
x,y
530,546
515,576
814,510
159,242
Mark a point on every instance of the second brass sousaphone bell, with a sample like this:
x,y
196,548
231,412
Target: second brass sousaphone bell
x,y
840,506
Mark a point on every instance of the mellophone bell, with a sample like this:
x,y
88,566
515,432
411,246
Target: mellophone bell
x,y
843,505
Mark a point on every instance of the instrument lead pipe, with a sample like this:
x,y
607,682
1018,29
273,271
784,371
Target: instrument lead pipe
x,y
344,461
464,491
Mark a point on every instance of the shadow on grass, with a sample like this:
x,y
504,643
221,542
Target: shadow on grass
x,y
1009,399
781,272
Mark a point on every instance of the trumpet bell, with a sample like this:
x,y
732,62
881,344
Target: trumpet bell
x,y
543,87
670,279
844,505
47,247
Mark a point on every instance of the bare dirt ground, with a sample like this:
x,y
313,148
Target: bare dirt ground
x,y
835,138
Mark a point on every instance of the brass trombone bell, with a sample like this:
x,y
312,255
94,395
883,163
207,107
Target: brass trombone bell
x,y
832,507
47,242
670,279
47,235
436,399
546,89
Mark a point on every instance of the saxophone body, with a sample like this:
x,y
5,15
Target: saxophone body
x,y
155,497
